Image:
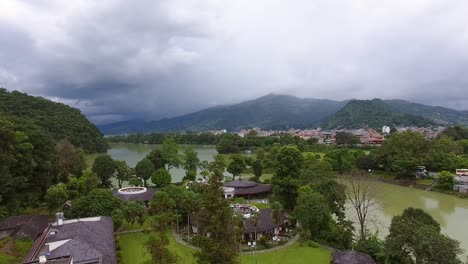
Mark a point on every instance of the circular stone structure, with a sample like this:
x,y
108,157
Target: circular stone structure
x,y
132,190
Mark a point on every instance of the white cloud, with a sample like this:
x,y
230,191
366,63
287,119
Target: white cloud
x,y
162,58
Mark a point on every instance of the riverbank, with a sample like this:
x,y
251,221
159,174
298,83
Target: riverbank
x,y
387,178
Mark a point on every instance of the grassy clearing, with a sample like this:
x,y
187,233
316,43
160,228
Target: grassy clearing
x,y
293,254
133,249
134,252
14,251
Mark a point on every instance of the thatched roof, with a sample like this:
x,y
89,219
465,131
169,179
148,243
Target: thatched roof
x,y
243,187
240,183
265,222
351,257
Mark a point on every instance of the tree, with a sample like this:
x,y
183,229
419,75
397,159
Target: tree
x,y
99,202
316,170
135,212
70,160
104,167
190,202
228,144
157,246
161,178
415,238
205,167
312,212
257,168
445,180
170,151
285,180
362,198
335,193
123,171
346,138
219,163
217,219
56,196
236,166
276,212
190,159
157,158
144,169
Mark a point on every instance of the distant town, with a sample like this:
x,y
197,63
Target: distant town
x,y
367,136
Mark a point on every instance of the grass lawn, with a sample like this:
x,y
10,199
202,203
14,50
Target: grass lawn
x,y
293,254
133,251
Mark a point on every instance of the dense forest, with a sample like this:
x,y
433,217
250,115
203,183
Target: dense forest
x,y
58,120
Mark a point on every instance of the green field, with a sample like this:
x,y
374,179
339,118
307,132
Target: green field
x,y
133,252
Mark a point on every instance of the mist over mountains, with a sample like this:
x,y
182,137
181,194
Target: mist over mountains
x,y
283,112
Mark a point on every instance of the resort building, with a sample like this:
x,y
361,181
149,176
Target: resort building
x,y
78,241
246,189
255,221
17,227
135,194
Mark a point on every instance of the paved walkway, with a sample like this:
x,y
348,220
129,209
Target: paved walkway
x,y
287,244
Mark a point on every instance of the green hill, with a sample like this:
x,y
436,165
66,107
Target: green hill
x,y
375,114
267,112
59,120
283,112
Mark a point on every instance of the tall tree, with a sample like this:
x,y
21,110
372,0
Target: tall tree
x,y
56,196
236,166
257,168
104,167
135,212
70,160
170,151
312,212
217,219
161,178
415,238
99,202
286,177
157,158
190,159
144,169
361,196
122,172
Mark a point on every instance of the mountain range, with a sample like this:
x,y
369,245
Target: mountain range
x,y
283,112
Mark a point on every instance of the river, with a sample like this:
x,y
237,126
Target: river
x,y
451,212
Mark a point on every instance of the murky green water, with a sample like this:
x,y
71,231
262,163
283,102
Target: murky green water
x,y
451,212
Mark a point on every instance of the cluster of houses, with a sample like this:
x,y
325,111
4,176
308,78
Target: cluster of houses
x,y
366,136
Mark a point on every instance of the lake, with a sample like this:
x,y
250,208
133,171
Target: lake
x,y
451,212
133,153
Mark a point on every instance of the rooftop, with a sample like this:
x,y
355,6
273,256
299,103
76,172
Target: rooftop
x,y
23,226
87,240
351,257
243,187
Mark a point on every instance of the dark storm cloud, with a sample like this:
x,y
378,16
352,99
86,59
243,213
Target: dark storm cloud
x,y
124,59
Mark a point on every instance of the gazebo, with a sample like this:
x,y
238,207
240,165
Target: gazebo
x,y
246,189
351,257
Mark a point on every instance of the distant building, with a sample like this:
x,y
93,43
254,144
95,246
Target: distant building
x,y
86,240
386,130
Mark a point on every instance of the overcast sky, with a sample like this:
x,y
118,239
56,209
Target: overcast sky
x,y
124,59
